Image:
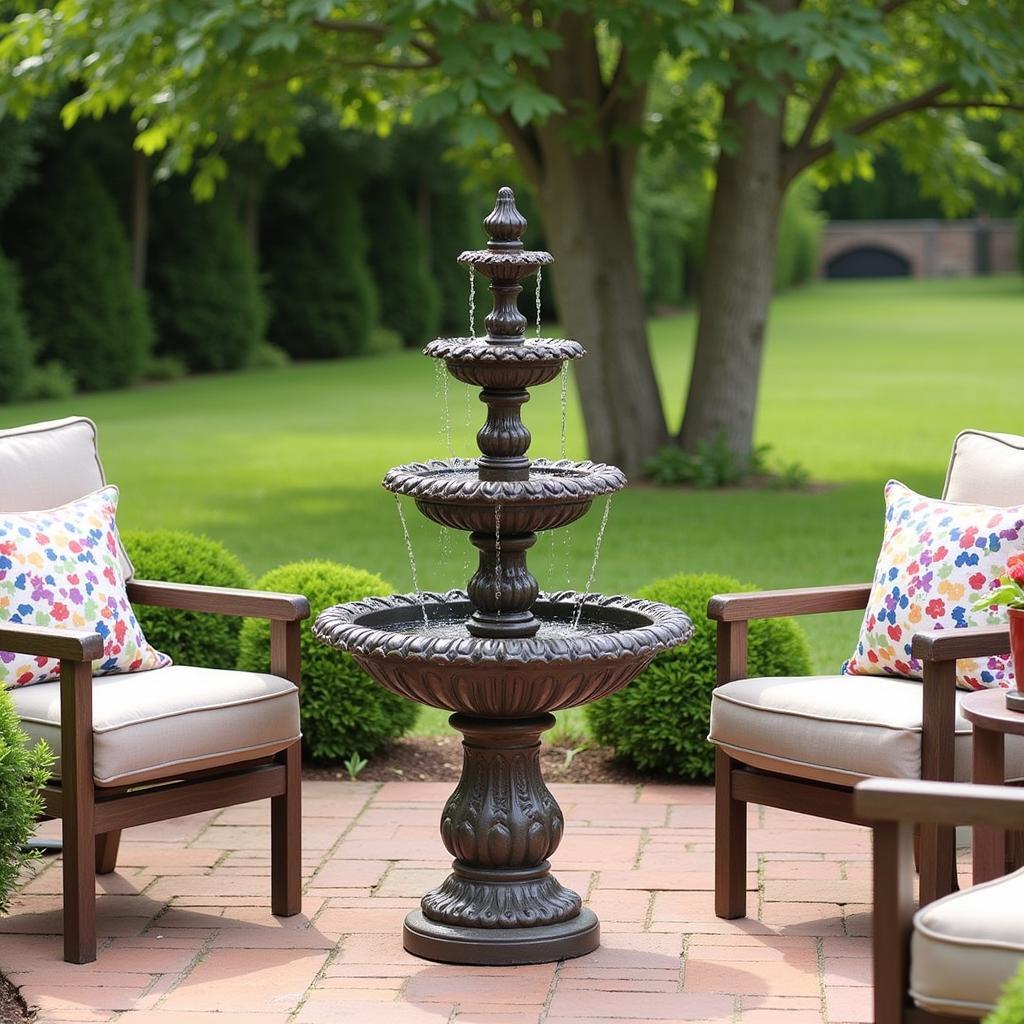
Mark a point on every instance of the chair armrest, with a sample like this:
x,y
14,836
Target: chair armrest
x,y
65,644
951,644
944,803
256,604
771,604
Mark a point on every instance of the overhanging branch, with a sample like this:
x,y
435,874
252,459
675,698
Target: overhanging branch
x,y
379,32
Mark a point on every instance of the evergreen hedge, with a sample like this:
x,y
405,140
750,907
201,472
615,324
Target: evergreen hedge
x,y
410,298
83,308
1010,1008
203,281
190,638
322,297
343,710
660,721
16,349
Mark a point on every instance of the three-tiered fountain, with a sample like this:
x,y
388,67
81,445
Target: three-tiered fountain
x,y
499,654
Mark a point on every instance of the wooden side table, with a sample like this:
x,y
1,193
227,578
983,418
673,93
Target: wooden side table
x,y
995,849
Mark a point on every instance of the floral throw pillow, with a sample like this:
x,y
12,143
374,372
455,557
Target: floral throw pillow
x,y
59,568
938,558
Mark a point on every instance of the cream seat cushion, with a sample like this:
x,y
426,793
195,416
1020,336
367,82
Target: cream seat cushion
x,y
835,729
171,721
966,946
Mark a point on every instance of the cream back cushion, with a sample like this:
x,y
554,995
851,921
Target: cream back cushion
x,y
986,469
43,465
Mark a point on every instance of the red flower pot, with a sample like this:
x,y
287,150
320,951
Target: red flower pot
x,y
1017,644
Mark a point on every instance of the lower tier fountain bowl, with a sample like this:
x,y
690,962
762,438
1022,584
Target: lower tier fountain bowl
x,y
501,905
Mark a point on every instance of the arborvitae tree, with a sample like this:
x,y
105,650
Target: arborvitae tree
x,y
16,348
452,229
203,280
410,299
65,234
323,299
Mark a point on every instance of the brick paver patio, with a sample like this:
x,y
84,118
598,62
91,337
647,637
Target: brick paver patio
x,y
186,929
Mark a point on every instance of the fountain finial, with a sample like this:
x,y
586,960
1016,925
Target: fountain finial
x,y
505,224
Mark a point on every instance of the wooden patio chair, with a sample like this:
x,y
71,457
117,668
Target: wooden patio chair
x,y
144,747
951,959
803,743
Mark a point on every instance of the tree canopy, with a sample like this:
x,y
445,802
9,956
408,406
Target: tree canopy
x,y
568,85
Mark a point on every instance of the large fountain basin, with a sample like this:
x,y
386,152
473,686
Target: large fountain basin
x,y
440,664
450,492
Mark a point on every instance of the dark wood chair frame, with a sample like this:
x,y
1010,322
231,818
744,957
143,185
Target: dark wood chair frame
x,y
93,816
892,806
737,784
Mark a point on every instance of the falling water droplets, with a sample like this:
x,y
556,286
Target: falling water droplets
x,y
472,302
412,557
441,392
593,564
497,557
564,400
537,299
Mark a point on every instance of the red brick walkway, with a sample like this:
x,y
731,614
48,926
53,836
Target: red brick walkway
x,y
186,928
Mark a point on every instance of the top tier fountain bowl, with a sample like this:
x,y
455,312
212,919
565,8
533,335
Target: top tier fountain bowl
x,y
499,654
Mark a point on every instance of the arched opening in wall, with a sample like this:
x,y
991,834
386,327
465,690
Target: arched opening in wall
x,y
868,261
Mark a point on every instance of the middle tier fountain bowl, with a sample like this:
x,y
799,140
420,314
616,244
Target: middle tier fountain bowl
x,y
499,654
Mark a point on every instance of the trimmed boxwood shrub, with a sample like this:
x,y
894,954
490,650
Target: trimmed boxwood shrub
x,y
322,296
1010,1008
23,771
344,711
203,281
190,638
660,721
83,308
16,348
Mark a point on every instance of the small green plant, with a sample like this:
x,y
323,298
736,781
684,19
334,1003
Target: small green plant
x,y
354,765
268,357
343,710
1010,592
715,464
1010,1008
50,380
23,772
164,368
660,721
570,755
190,638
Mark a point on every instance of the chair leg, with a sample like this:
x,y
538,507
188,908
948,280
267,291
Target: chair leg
x,y
937,862
730,843
78,806
286,838
106,852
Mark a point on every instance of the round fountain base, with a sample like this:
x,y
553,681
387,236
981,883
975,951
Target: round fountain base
x,y
501,947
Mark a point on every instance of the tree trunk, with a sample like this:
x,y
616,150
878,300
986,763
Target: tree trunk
x,y
584,194
737,283
601,305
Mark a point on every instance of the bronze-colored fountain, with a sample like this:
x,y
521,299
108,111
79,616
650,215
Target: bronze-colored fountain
x,y
500,655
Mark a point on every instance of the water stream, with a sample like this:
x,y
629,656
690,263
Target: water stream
x,y
593,564
441,390
412,556
468,389
497,557
537,300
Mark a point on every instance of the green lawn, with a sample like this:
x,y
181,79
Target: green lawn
x,y
862,381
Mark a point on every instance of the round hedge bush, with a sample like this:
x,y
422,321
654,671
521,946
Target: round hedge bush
x,y
23,772
190,638
344,711
660,721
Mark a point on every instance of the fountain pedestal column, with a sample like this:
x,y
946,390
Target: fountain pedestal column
x,y
501,904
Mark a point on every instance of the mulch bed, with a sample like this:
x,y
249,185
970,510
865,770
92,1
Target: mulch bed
x,y
12,1007
439,759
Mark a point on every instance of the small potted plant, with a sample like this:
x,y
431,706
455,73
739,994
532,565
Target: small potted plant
x,y
1010,594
